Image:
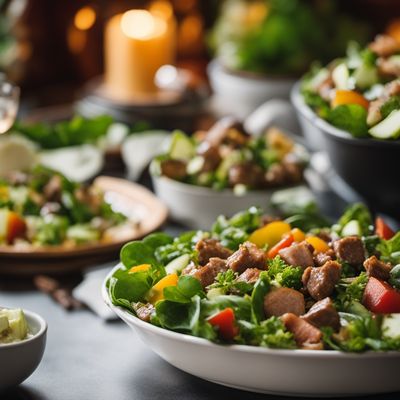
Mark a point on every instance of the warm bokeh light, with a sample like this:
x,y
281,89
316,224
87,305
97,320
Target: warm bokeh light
x,y
393,29
142,25
190,32
85,18
162,8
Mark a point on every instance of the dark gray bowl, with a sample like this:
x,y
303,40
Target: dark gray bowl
x,y
370,166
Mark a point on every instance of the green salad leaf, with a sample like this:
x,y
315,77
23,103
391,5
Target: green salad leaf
x,y
261,288
360,213
350,291
227,282
186,288
240,305
283,274
390,249
393,103
351,118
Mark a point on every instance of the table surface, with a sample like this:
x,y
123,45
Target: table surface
x,y
87,358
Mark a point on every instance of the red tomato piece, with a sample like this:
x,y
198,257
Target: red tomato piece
x,y
380,298
225,321
285,242
382,229
16,226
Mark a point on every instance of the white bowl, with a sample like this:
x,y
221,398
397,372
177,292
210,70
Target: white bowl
x,y
280,372
198,207
19,360
239,93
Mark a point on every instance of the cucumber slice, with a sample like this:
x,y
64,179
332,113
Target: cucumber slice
x,y
181,148
352,228
232,159
18,327
391,325
389,128
3,323
178,264
340,76
83,233
365,76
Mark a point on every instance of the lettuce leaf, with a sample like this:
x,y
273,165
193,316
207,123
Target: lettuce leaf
x,y
351,118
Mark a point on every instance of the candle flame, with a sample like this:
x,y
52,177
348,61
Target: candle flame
x,y
141,24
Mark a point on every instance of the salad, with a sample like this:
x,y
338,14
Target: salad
x,y
226,156
13,326
44,208
270,282
361,92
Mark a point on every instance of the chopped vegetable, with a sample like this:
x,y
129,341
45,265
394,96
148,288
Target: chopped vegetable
x,y
225,322
285,242
157,291
318,244
349,97
382,229
270,234
379,297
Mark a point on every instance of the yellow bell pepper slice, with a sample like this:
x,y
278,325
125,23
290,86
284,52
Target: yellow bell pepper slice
x,y
157,291
298,234
319,245
269,234
139,268
349,97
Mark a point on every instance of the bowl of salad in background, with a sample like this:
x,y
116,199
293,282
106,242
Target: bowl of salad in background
x,y
224,170
351,109
22,344
304,307
262,46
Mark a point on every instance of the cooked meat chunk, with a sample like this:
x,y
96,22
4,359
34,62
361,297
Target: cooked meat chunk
x,y
250,275
384,45
53,188
324,235
374,111
248,256
298,254
378,269
323,313
350,249
321,258
209,272
276,175
143,311
208,248
325,88
294,170
283,300
190,269
247,173
320,282
391,89
388,67
211,156
174,169
304,333
219,130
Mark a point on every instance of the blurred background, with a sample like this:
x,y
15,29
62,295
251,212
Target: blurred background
x,y
51,49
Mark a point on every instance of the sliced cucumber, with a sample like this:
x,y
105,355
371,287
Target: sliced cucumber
x,y
181,148
215,292
389,128
365,76
18,327
340,76
233,158
178,264
352,228
391,325
3,323
82,233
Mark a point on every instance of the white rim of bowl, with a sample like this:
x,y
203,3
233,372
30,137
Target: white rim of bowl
x,y
237,347
41,332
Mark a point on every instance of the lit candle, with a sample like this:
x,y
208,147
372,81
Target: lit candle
x,y
137,44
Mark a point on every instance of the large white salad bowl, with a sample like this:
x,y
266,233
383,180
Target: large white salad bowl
x,y
312,373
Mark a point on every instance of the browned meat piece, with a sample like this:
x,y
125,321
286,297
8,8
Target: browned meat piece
x,y
321,258
304,333
378,269
53,188
294,170
174,169
250,275
190,269
248,256
388,67
219,131
284,300
209,272
50,208
276,175
208,248
143,311
16,178
247,173
350,249
392,88
323,313
324,235
320,282
211,156
374,111
325,88
298,254
384,45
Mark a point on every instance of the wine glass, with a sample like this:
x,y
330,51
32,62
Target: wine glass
x,y
9,101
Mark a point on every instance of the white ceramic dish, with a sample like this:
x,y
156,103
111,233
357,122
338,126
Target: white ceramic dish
x,y
198,207
240,93
318,373
19,360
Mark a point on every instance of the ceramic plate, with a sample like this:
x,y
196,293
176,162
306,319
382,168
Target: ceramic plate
x,y
135,201
309,373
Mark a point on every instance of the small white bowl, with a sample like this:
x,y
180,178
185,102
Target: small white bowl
x,y
198,207
18,360
239,93
308,373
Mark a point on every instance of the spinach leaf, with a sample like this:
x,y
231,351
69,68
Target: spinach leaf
x,y
393,103
390,249
137,253
240,305
186,288
351,118
261,288
178,316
